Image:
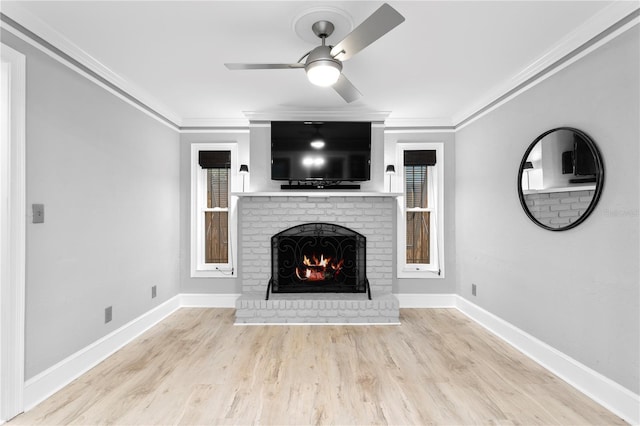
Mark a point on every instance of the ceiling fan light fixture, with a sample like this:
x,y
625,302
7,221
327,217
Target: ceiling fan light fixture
x,y
323,73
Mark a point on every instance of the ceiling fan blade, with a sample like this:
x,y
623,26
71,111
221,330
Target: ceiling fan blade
x,y
375,26
347,90
263,66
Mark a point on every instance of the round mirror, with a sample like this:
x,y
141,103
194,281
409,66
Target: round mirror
x,y
560,179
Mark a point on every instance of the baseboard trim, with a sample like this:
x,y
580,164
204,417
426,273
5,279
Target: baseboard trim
x,y
193,300
45,384
611,395
426,300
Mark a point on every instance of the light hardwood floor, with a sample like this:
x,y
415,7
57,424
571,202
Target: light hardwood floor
x,y
438,367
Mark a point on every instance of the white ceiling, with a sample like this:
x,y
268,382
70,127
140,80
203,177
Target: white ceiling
x,y
445,59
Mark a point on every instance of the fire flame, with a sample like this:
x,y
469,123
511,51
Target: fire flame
x,y
319,269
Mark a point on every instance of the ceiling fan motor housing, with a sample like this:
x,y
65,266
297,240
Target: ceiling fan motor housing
x,y
322,65
322,55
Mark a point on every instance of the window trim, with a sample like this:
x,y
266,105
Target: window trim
x,y
198,206
436,268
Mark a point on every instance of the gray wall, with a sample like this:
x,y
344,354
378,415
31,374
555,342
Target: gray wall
x,y
108,177
575,290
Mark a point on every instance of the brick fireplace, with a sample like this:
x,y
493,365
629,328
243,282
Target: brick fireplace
x,y
263,215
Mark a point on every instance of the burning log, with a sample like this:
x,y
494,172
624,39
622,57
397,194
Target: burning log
x,y
315,269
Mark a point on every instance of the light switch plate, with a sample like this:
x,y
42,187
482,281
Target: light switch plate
x,y
38,213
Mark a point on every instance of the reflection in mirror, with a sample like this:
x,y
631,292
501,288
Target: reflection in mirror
x,y
560,178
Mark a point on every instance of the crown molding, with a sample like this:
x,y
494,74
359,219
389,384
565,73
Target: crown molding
x,y
612,21
42,36
436,124
199,124
327,115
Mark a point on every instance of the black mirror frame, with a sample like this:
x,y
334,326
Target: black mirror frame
x,y
599,178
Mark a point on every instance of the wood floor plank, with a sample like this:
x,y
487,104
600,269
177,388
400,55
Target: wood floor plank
x,y
197,367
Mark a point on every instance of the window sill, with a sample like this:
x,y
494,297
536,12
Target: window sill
x,y
420,274
227,273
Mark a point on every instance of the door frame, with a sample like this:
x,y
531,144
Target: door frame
x,y
13,242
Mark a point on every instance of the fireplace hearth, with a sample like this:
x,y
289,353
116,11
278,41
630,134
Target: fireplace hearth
x,y
318,258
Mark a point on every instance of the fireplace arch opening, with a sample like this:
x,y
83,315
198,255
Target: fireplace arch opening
x,y
318,258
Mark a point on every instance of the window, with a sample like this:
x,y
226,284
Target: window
x,y
214,169
420,210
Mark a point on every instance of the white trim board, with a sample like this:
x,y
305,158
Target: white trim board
x,y
12,232
599,388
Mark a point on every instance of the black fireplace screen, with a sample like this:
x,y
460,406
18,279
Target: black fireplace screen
x,y
318,258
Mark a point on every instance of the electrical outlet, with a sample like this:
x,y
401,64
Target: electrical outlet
x,y
38,213
108,314
473,289
154,292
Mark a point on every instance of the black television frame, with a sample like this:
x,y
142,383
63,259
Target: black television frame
x,y
348,146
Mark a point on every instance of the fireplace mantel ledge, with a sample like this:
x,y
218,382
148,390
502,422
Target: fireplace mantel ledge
x,y
317,194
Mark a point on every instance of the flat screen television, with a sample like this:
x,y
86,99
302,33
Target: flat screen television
x,y
320,151
584,161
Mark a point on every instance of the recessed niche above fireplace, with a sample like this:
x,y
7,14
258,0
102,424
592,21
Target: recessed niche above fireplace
x,y
318,258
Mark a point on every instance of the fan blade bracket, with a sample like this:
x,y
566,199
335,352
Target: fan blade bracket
x,y
334,55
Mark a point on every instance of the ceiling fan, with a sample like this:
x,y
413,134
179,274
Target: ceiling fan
x,y
323,64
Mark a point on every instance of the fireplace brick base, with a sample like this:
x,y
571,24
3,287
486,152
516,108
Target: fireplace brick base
x,y
262,216
305,308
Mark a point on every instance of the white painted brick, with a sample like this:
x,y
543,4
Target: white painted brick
x,y
569,200
537,196
544,202
366,206
539,209
570,213
547,215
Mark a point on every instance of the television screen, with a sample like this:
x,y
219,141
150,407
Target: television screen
x,y
320,151
585,164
